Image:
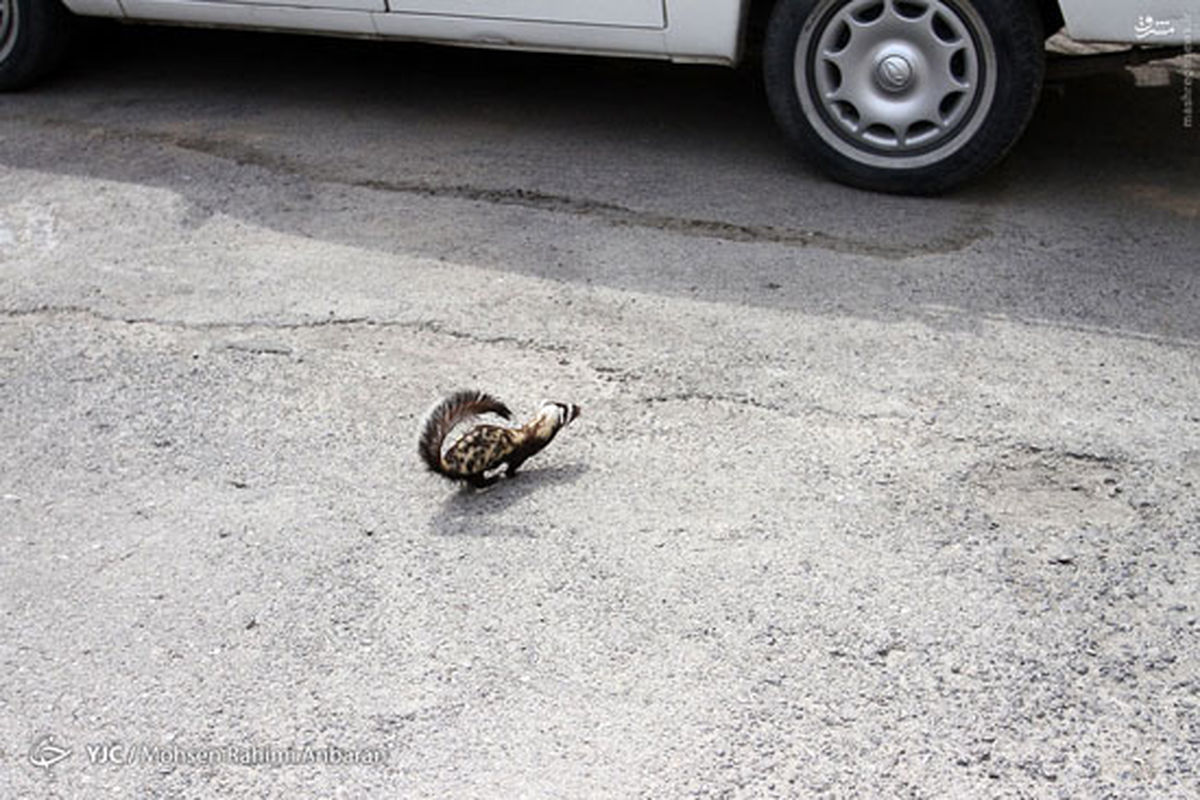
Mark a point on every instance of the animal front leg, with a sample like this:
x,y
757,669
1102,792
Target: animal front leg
x,y
482,481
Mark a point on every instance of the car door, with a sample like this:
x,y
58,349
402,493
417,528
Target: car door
x,y
624,13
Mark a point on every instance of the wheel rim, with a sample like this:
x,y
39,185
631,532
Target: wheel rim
x,y
895,83
8,27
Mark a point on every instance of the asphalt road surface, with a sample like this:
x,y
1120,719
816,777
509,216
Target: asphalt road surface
x,y
870,497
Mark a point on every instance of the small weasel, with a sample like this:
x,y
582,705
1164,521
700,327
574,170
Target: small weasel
x,y
486,447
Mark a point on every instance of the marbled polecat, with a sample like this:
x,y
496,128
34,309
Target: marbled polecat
x,y
485,447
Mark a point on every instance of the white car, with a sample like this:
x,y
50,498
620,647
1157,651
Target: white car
x,y
909,96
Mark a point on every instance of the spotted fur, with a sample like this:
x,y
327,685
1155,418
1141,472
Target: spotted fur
x,y
485,448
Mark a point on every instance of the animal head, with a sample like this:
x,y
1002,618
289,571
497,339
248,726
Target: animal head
x,y
560,414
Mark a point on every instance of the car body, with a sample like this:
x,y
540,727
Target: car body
x,y
710,31
909,96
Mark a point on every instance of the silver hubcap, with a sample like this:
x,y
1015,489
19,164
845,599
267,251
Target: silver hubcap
x,y
8,27
895,82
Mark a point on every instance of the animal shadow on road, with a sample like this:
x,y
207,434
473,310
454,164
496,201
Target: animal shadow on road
x,y
470,512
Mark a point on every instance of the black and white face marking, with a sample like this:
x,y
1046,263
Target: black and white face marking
x,y
563,414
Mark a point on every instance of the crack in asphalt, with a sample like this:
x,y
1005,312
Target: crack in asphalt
x,y
613,214
713,397
68,310
424,326
996,443
623,216
738,399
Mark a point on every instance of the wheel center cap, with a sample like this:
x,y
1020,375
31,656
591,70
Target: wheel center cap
x,y
894,73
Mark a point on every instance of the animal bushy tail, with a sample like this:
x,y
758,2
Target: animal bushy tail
x,y
447,413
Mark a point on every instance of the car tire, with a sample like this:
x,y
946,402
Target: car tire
x,y
33,38
903,96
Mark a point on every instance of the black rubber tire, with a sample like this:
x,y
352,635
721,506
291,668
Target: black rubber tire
x,y
33,39
1015,31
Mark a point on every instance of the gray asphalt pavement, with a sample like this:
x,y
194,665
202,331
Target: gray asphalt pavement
x,y
870,496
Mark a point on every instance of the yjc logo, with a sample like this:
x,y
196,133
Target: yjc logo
x,y
45,753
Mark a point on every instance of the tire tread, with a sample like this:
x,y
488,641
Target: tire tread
x,y
43,33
